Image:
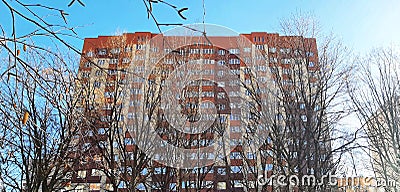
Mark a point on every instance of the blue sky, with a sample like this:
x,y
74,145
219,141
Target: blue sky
x,y
361,24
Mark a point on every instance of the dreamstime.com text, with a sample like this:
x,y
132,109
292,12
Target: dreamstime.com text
x,y
332,180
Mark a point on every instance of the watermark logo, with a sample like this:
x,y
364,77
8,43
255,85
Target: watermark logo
x,y
200,82
294,180
325,180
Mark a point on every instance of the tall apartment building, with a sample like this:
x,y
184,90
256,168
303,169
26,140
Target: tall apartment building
x,y
124,79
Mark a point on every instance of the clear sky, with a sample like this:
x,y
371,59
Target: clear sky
x,y
361,24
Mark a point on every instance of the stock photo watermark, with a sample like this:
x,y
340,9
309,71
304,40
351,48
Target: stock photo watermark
x,y
329,179
305,180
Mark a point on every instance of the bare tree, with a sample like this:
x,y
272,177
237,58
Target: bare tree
x,y
49,23
375,95
38,121
114,106
309,81
45,29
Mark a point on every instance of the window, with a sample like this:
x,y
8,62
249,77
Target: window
x,y
129,141
208,51
102,51
130,115
221,185
285,61
209,61
94,186
194,51
140,47
221,95
234,61
233,94
122,184
237,183
259,57
297,52
139,57
89,54
294,154
251,155
235,155
96,84
221,107
168,61
128,49
235,117
234,51
268,167
221,52
87,64
279,117
247,60
272,50
207,184
260,47
304,118
111,72
108,94
159,170
126,60
311,64
273,60
172,186
288,82
105,118
154,49
210,156
188,184
302,106
114,51
103,144
81,174
101,131
311,171
262,68
144,171
113,61
98,73
286,71
221,62
141,187
235,129
100,62
309,54
96,172
236,169
285,50
221,171
248,92
157,156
